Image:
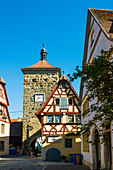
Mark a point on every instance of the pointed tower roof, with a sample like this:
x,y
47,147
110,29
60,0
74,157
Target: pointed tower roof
x,y
42,64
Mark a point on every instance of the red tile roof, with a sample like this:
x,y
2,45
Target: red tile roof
x,y
17,120
42,64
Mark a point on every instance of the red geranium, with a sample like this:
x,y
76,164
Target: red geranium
x,y
68,75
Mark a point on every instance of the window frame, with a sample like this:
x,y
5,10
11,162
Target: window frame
x,y
50,119
73,142
69,103
2,128
58,116
55,102
61,106
72,118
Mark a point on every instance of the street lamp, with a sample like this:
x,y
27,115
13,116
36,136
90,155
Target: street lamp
x,y
4,118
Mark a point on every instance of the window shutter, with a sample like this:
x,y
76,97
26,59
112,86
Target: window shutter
x,y
63,103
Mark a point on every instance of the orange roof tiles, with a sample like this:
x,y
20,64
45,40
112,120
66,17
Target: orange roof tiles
x,y
17,120
42,64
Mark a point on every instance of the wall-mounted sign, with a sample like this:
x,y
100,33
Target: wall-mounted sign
x,y
39,97
54,139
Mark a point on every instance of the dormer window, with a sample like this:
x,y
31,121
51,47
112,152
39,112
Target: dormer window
x,y
70,101
57,102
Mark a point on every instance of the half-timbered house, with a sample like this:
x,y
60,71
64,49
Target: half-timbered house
x,y
60,121
4,120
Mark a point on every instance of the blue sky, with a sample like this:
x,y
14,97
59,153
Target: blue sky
x,y
26,24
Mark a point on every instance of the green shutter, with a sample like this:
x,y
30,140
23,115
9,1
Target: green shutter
x,y
63,104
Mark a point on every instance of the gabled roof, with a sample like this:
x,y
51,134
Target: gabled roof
x,y
63,78
105,20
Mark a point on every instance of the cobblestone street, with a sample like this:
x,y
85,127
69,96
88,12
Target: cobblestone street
x,y
27,163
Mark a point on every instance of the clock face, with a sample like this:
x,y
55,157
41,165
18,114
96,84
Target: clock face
x,y
39,97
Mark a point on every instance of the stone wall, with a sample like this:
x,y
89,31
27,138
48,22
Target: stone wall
x,y
35,83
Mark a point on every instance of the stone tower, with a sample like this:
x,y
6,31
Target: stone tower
x,y
39,81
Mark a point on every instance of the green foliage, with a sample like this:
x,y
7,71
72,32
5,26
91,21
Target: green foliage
x,y
98,79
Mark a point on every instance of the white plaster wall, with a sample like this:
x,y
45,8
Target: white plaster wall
x,y
103,43
7,129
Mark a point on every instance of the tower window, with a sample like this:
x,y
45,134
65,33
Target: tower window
x,y
57,101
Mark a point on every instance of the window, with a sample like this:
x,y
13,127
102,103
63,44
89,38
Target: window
x,y
1,145
0,92
78,119
85,142
70,101
92,36
50,119
68,142
2,128
0,112
57,102
70,118
85,106
63,104
57,119
39,97
63,84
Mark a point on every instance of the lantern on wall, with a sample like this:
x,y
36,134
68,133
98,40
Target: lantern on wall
x,y
4,118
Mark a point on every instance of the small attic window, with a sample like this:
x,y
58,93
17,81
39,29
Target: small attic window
x,y
63,84
57,101
92,36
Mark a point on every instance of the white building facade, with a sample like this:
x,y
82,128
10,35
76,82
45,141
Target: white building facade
x,y
99,35
4,120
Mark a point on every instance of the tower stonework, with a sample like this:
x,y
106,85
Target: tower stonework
x,y
39,81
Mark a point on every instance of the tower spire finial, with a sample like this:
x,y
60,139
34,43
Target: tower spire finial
x,y
43,53
43,45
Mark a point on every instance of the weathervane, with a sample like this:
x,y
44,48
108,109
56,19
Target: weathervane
x,y
63,72
43,45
